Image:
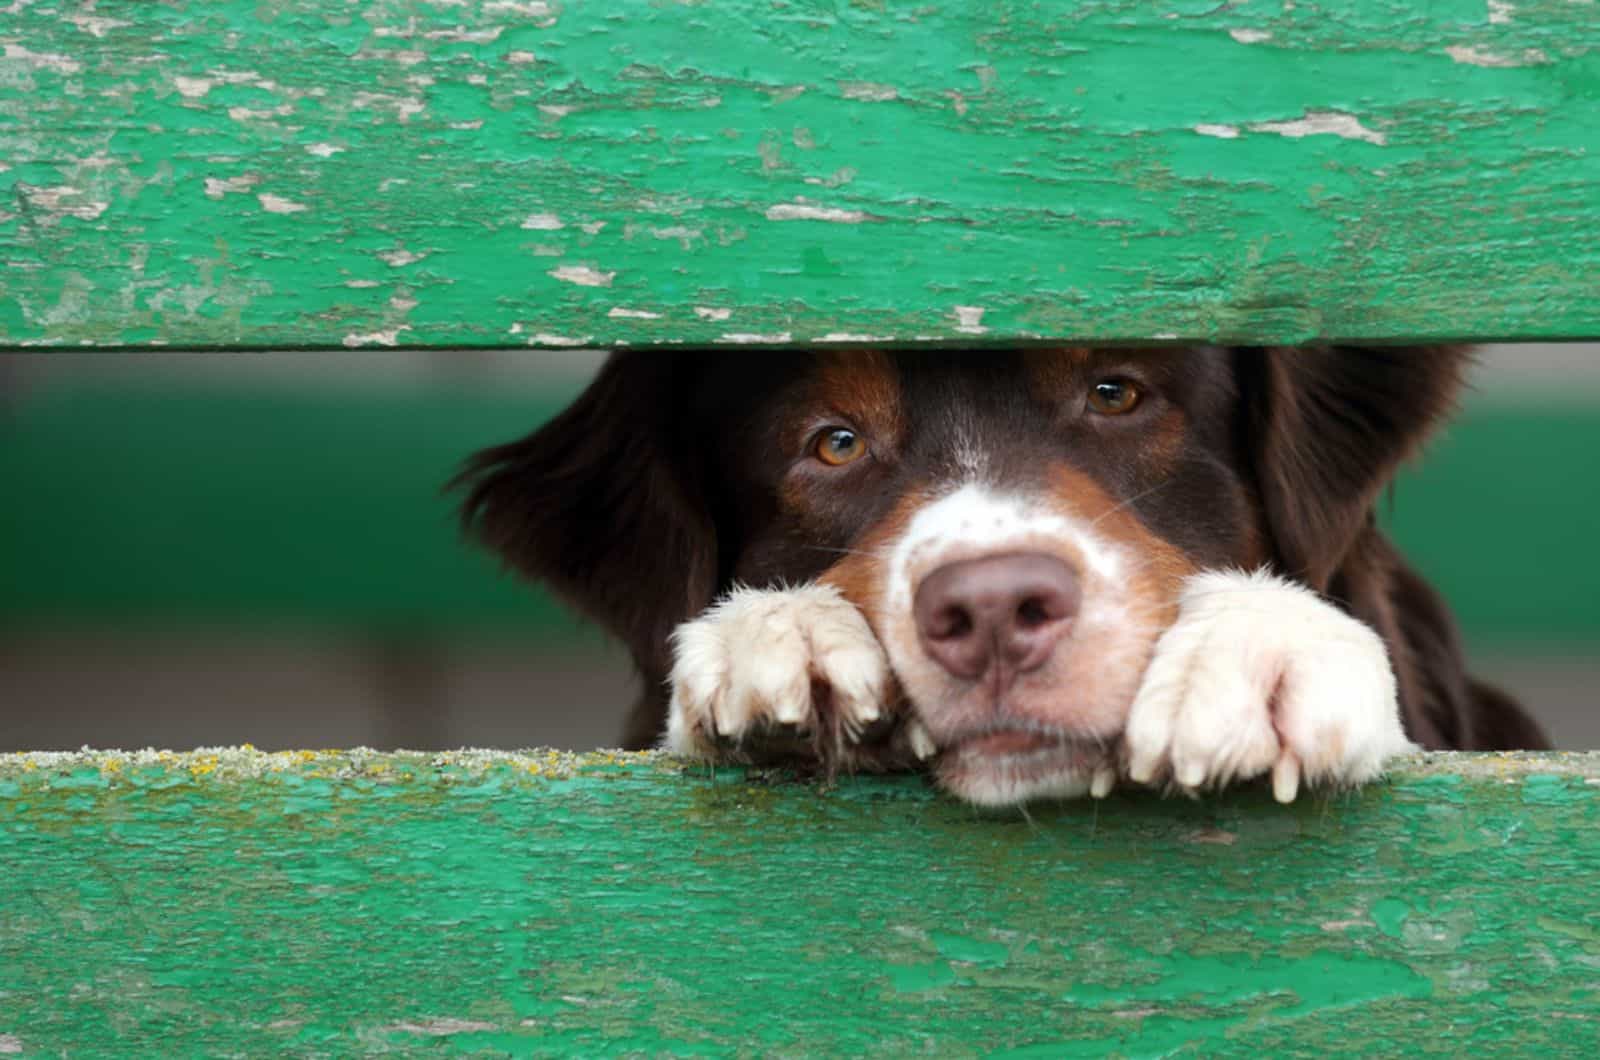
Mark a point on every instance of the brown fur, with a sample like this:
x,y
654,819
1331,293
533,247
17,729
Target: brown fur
x,y
679,472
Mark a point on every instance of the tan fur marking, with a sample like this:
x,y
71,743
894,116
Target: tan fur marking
x,y
1162,567
864,386
861,574
1055,373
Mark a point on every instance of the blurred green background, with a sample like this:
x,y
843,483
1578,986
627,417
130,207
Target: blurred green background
x,y
200,549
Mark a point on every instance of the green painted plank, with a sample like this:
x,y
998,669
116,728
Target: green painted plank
x,y
236,903
296,172
178,505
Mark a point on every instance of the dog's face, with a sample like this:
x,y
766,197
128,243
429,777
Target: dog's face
x,y
1016,526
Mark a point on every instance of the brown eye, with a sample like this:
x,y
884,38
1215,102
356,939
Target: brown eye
x,y
1115,397
838,446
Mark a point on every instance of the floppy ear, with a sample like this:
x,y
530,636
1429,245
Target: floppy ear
x,y
1331,426
600,505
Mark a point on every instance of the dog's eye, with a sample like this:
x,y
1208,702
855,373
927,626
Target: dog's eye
x,y
838,446
1115,397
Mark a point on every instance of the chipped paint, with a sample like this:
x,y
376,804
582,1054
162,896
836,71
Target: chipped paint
x,y
997,167
278,204
52,61
868,91
216,188
541,13
96,26
249,114
617,312
544,338
798,211
684,234
192,87
545,903
542,222
1474,56
51,204
1323,123
712,313
969,320
439,1028
387,337
745,338
582,275
400,257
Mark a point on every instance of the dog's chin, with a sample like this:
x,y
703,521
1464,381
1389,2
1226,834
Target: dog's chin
x,y
1003,768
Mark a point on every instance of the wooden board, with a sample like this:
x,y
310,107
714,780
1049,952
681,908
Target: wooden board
x,y
331,904
273,173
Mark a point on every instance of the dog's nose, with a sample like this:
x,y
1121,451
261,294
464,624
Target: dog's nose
x,y
998,615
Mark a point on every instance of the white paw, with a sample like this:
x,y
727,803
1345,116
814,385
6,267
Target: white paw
x,y
800,659
1261,675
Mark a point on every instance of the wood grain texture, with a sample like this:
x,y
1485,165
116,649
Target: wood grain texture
x,y
327,904
508,172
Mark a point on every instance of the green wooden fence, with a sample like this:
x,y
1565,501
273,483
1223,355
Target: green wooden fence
x,y
297,173
243,904
497,172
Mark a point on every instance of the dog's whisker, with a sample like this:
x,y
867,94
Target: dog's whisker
x,y
1131,501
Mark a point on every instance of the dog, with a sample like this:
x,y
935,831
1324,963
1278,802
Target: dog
x,y
1038,572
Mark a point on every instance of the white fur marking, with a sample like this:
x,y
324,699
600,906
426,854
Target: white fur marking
x,y
751,659
975,519
1260,675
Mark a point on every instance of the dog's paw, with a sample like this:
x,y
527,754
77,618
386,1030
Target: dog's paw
x,y
781,673
1261,675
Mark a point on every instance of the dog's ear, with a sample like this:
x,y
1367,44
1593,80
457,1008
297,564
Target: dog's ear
x,y
1330,427
601,505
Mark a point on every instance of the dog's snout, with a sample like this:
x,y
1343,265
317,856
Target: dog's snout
x,y
996,616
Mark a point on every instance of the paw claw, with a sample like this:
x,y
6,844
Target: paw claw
x,y
1142,770
922,744
791,710
1261,676
1192,775
759,658
1105,779
1286,778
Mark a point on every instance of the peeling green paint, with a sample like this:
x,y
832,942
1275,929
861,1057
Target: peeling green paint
x,y
331,903
294,172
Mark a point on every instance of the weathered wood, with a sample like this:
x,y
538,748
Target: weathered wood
x,y
300,172
327,904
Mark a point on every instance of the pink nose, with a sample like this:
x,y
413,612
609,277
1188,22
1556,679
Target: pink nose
x,y
998,616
